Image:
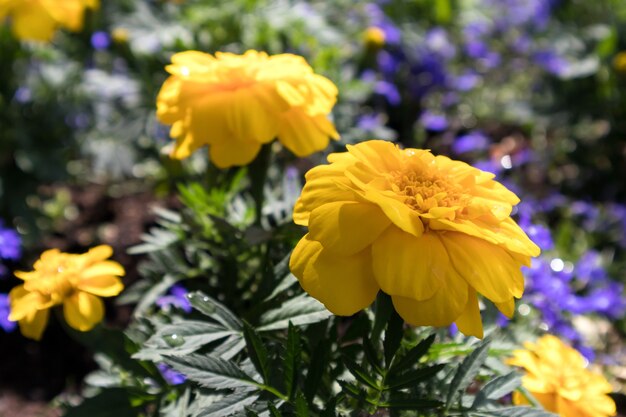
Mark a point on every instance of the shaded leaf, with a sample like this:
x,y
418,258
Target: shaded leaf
x,y
497,388
413,377
210,371
412,356
299,310
360,373
292,360
467,371
256,351
229,404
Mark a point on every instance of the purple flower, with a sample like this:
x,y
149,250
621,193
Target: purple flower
x,y
472,141
170,375
488,165
100,40
177,298
389,91
552,62
476,49
466,81
369,121
10,243
5,310
539,234
437,41
23,95
433,122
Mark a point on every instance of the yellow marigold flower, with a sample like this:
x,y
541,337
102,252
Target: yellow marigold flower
x,y
38,19
236,103
374,37
619,62
76,281
557,378
429,231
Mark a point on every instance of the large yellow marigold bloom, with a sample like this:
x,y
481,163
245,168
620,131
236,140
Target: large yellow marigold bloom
x,y
429,231
38,19
236,103
76,281
557,378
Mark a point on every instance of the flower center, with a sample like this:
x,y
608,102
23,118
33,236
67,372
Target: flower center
x,y
57,283
423,192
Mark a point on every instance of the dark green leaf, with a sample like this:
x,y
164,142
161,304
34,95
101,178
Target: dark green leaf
x,y
497,388
229,404
319,362
215,310
383,310
299,310
302,408
274,412
411,404
413,377
292,360
467,371
256,351
352,390
372,355
113,401
412,356
393,336
360,373
211,372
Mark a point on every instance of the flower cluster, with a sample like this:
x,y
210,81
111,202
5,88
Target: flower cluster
x,y
10,246
38,19
439,232
237,103
557,378
72,280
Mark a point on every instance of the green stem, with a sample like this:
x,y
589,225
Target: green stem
x,y
257,172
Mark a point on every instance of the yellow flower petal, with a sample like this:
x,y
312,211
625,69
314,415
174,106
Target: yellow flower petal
x,y
339,226
409,266
344,285
101,285
486,267
103,268
227,154
507,307
469,322
33,324
83,311
304,135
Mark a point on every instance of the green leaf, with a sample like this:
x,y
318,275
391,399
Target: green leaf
x,y
299,310
497,388
274,412
319,362
383,310
181,338
372,355
215,310
210,371
413,377
411,404
229,404
360,373
513,412
302,408
292,360
412,356
467,371
256,351
113,401
393,336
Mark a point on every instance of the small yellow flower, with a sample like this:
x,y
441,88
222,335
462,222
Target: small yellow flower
x,y
38,19
374,37
236,103
76,281
619,62
557,378
429,231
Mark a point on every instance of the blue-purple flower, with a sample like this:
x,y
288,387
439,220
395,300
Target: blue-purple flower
x,y
5,310
177,298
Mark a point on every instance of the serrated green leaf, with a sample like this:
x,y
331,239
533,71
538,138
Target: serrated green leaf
x,y
229,404
521,411
215,310
211,372
467,371
412,356
352,390
360,373
413,377
299,310
191,335
393,336
292,360
372,356
256,351
319,363
497,388
411,404
302,408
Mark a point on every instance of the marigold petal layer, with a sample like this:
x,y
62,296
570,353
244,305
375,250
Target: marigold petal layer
x,y
344,287
34,323
82,311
